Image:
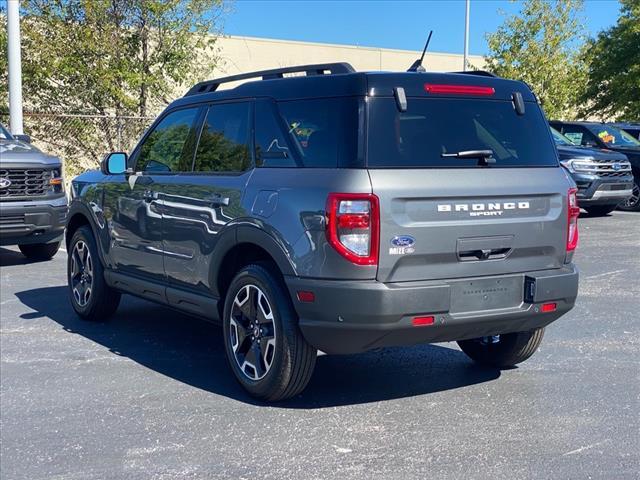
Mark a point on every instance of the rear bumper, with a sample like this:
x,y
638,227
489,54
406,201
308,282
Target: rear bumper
x,y
32,222
354,316
594,190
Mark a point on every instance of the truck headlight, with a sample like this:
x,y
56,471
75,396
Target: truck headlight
x,y
581,165
56,181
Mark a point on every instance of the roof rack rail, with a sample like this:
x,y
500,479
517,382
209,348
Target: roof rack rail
x,y
480,73
316,69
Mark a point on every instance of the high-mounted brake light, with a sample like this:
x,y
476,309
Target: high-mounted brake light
x,y
573,212
353,226
458,89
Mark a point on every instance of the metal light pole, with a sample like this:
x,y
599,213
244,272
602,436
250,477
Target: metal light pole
x,y
15,68
466,35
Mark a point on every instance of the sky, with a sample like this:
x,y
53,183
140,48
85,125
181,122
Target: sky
x,y
388,24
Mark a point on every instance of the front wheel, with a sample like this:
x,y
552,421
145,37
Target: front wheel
x,y
91,297
600,210
503,351
40,251
632,204
265,348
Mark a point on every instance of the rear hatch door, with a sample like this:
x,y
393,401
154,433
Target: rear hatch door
x,y
446,217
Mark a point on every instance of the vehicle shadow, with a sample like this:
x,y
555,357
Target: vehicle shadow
x,y
10,258
191,351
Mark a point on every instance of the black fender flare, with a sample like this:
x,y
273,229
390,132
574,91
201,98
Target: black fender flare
x,y
237,234
78,208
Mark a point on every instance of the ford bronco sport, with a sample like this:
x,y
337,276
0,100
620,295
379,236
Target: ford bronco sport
x,y
33,205
319,208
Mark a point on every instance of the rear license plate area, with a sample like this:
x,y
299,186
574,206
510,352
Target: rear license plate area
x,y
486,294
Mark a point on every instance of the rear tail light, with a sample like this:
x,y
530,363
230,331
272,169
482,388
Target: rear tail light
x,y
353,226
573,212
458,89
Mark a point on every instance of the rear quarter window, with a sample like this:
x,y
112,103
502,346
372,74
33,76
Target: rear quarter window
x,y
429,128
323,130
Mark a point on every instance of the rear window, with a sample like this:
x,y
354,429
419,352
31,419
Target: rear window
x,y
429,128
324,130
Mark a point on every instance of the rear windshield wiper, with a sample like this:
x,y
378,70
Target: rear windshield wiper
x,y
484,157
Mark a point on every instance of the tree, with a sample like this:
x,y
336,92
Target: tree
x,y
541,46
120,56
613,87
109,58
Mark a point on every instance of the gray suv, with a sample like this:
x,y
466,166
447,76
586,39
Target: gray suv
x,y
33,204
319,208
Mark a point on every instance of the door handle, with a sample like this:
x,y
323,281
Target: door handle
x,y
217,200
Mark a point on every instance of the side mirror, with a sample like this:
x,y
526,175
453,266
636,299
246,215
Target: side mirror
x,y
23,138
114,163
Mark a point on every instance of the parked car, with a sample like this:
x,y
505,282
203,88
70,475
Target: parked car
x,y
603,176
600,135
632,128
337,211
33,204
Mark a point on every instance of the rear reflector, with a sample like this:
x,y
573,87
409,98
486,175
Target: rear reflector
x,y
306,297
422,321
548,307
458,89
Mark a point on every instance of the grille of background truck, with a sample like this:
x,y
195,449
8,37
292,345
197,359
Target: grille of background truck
x,y
33,182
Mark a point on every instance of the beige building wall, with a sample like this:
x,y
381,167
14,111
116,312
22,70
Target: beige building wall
x,y
246,54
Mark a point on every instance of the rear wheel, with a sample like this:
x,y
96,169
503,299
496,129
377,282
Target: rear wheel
x,y
91,297
265,348
632,204
40,251
503,350
600,210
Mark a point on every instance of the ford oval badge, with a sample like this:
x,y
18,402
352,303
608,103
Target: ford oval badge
x,y
403,241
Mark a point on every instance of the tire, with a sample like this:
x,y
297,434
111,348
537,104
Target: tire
x,y
600,210
90,296
275,363
40,251
509,350
632,204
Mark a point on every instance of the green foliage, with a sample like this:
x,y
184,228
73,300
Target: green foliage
x,y
125,57
4,70
540,46
613,88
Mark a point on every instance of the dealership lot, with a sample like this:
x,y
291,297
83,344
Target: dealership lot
x,y
149,395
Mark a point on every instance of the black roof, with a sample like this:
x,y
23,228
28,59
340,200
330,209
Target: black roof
x,y
340,79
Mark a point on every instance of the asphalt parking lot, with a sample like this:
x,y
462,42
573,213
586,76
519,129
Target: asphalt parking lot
x,y
149,395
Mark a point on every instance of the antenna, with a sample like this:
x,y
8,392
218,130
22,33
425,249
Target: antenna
x,y
417,65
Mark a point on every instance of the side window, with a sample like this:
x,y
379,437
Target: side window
x,y
272,149
169,146
325,130
579,135
224,141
